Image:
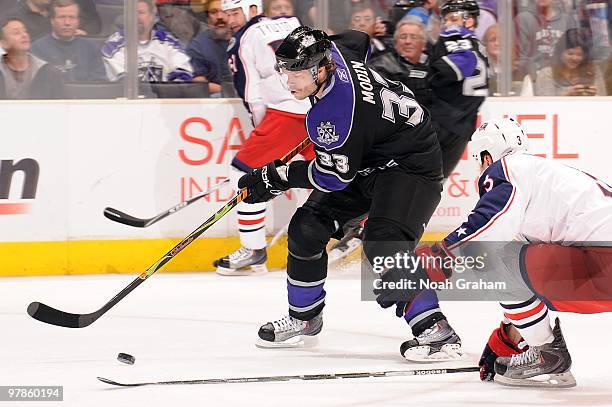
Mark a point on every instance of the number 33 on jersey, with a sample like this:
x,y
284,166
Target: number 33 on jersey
x,y
365,122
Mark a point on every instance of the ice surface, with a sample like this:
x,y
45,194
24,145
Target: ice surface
x,y
191,326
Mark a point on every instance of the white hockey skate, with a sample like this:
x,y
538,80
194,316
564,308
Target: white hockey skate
x,y
289,332
539,366
438,343
243,262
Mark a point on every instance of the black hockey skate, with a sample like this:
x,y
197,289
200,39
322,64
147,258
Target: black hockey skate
x,y
547,365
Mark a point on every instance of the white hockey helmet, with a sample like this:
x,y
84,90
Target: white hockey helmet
x,y
498,137
245,5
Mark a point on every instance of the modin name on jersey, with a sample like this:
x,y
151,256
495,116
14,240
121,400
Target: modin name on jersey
x,y
364,82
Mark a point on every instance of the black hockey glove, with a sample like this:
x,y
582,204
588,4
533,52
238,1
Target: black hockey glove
x,y
397,287
265,183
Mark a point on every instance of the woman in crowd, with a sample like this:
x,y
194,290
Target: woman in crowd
x,y
572,72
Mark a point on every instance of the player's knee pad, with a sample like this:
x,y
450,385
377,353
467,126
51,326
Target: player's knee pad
x,y
309,233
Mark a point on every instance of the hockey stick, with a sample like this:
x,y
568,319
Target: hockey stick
x,y
122,217
49,315
282,231
323,376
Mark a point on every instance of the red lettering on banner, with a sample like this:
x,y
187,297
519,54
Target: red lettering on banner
x,y
190,187
524,117
457,188
14,208
234,125
556,153
223,194
195,140
447,211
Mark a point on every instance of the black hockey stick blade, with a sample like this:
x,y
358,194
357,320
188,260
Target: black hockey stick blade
x,y
121,217
50,315
324,376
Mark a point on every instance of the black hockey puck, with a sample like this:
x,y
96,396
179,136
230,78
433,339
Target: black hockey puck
x,y
126,358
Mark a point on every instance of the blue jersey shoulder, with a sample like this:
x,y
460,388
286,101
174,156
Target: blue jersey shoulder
x,y
496,194
329,121
492,177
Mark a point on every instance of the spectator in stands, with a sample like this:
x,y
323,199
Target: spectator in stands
x,y
487,17
491,41
279,7
427,11
90,22
79,59
199,8
341,12
306,11
161,57
22,75
406,62
208,49
179,20
573,72
539,28
34,14
363,18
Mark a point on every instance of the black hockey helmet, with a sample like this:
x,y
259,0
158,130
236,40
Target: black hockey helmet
x,y
401,7
304,48
470,7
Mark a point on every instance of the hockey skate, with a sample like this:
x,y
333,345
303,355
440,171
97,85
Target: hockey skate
x,y
347,245
438,343
243,262
547,365
288,332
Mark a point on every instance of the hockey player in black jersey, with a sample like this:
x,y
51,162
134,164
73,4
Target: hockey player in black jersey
x,y
376,152
459,79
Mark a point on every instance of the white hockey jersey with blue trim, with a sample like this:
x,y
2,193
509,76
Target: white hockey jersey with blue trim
x,y
539,200
252,59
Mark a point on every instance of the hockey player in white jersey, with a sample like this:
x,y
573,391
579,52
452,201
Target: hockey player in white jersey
x,y
161,57
279,118
565,216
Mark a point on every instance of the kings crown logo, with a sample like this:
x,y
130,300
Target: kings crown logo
x,y
327,133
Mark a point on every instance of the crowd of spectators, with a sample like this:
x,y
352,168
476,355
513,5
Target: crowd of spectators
x,y
561,47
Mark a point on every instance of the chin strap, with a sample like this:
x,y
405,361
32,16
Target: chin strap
x,y
313,96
